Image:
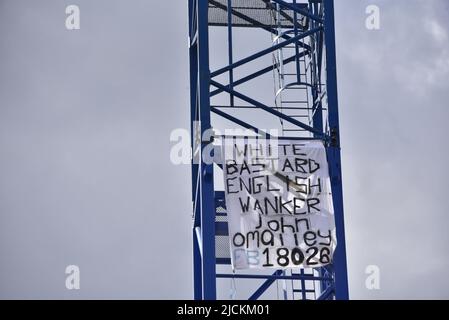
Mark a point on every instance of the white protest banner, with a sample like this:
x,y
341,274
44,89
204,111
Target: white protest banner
x,y
279,203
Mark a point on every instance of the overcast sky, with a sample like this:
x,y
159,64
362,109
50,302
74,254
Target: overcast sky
x,y
85,120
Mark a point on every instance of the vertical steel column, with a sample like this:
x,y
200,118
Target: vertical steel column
x,y
295,28
230,54
207,207
193,55
316,54
334,157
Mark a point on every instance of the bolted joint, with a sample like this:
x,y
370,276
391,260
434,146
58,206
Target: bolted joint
x,y
334,138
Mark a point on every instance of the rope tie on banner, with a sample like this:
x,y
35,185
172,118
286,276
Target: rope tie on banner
x,y
233,287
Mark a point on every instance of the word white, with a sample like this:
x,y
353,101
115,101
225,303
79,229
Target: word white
x,y
72,22
72,282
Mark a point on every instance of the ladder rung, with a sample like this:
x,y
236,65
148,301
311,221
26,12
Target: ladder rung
x,y
294,74
295,88
303,274
292,101
294,108
305,290
253,107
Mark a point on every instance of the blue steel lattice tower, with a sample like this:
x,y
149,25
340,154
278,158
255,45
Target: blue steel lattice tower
x,y
304,103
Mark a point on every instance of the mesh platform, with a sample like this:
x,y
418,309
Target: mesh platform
x,y
222,251
255,14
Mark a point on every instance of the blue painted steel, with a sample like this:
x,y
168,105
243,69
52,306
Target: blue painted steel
x,y
333,278
326,294
264,286
297,60
248,19
257,74
240,122
206,169
225,261
230,55
221,228
268,109
333,152
270,276
297,9
316,90
264,52
197,268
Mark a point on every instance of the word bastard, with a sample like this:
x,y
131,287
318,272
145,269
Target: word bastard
x,y
279,208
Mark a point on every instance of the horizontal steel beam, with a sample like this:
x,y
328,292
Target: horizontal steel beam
x,y
246,18
326,294
264,286
271,276
265,51
259,73
299,10
240,122
269,110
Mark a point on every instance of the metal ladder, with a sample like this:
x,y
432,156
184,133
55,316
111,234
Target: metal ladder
x,y
293,97
303,291
291,80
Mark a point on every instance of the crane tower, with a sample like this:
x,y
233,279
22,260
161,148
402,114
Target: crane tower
x,y
300,58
